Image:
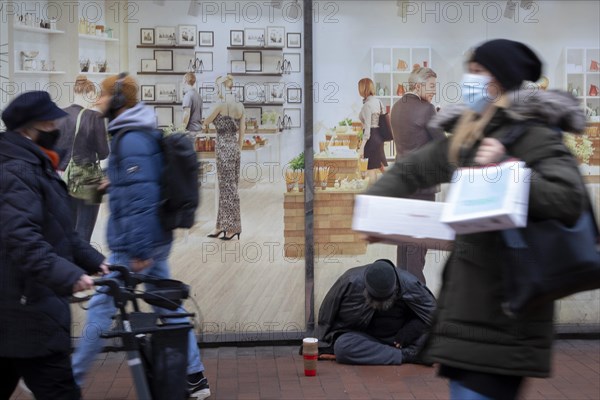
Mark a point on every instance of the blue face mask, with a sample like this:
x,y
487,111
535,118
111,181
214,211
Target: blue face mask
x,y
474,91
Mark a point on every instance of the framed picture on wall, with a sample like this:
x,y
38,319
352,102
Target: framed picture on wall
x,y
275,92
293,60
294,95
294,117
147,36
164,116
206,39
254,37
254,92
205,58
208,92
236,38
166,92
238,66
148,93
186,35
164,60
253,113
294,40
148,65
165,36
275,36
253,61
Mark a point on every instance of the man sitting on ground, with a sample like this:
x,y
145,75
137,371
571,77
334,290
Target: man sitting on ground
x,y
376,314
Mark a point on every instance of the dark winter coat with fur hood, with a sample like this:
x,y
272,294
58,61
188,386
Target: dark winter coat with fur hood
x,y
470,331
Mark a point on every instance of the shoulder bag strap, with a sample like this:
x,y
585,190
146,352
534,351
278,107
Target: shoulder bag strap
x,y
77,126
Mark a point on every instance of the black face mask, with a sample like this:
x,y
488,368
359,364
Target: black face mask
x,y
48,139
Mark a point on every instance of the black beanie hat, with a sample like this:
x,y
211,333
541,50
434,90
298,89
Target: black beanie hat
x,y
510,62
380,279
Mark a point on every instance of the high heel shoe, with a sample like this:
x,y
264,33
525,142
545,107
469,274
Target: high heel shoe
x,y
225,237
214,235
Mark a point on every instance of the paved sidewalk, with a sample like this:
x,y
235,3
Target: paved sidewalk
x,y
277,373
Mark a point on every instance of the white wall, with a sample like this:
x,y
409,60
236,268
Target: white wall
x,y
346,31
219,17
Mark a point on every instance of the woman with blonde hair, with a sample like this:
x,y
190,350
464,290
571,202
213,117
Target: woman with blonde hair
x,y
371,146
229,119
84,139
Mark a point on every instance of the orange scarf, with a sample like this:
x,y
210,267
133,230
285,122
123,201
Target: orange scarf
x,y
53,156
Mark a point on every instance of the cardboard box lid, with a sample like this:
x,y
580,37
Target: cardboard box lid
x,y
397,220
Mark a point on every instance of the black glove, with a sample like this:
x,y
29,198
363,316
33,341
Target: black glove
x,y
410,332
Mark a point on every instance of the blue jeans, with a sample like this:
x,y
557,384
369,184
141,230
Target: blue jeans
x,y
84,217
102,308
459,392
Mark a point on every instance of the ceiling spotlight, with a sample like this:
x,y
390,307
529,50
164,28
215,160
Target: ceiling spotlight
x,y
294,12
194,9
509,11
526,4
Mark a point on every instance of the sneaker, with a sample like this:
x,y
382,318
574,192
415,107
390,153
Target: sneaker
x,y
199,390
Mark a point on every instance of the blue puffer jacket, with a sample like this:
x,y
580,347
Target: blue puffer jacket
x,y
134,169
41,256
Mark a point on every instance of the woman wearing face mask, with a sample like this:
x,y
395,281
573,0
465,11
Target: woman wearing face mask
x,y
42,260
483,352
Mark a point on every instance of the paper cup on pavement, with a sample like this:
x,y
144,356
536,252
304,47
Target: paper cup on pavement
x,y
310,351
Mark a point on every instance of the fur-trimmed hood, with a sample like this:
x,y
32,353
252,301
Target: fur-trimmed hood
x,y
553,107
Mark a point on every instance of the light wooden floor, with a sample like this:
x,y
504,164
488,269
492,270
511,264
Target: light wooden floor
x,y
248,285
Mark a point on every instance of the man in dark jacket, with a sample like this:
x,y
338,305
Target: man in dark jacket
x,y
375,314
42,259
135,235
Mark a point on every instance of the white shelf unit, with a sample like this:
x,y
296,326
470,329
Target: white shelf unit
x,y
391,67
385,72
579,76
21,72
65,46
25,28
97,38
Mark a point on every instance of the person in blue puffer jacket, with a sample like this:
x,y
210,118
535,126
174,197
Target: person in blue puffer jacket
x,y
135,235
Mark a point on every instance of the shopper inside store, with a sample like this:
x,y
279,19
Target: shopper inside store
x,y
299,199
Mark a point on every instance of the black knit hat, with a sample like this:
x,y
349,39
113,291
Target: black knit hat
x,y
30,107
510,62
380,279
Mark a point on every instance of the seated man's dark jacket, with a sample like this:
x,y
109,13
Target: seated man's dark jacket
x,y
344,308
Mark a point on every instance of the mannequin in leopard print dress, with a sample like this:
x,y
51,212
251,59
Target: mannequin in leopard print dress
x,y
229,119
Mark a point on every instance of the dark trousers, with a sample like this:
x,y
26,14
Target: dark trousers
x,y
410,256
84,217
358,348
49,378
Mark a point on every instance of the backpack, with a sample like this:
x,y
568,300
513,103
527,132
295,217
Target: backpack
x,y
179,186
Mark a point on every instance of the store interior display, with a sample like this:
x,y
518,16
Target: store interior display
x,y
266,58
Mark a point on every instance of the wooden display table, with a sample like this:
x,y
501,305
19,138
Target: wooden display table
x,y
339,168
333,234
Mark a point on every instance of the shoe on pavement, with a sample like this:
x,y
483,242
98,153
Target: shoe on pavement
x,y
199,390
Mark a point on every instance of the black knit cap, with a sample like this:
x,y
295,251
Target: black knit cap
x,y
380,279
30,107
510,62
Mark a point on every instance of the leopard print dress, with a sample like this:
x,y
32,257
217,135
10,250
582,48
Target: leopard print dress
x,y
228,172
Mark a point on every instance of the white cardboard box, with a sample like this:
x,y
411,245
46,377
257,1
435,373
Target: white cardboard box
x,y
396,220
489,198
